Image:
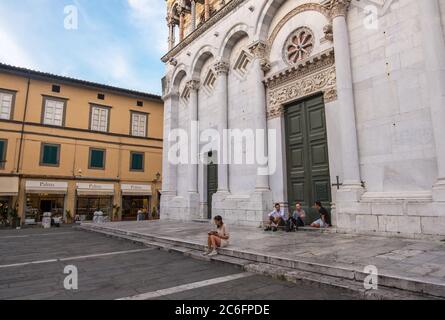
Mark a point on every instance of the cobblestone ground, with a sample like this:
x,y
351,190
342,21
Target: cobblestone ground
x,y
32,263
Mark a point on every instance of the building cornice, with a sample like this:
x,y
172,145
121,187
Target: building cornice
x,y
224,11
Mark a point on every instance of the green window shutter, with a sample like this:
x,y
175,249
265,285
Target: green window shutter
x,y
97,159
50,155
137,161
2,151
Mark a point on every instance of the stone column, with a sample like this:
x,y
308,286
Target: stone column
x,y
181,26
434,51
206,10
169,184
193,14
346,107
193,86
259,66
221,70
171,35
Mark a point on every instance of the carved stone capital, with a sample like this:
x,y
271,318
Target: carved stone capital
x,y
221,68
193,84
259,50
328,32
339,7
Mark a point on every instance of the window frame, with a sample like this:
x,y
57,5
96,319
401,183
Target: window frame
x,y
132,113
90,124
14,94
42,116
131,161
4,155
42,149
104,159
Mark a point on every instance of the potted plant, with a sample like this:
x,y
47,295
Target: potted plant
x,y
4,212
14,217
115,214
154,213
69,218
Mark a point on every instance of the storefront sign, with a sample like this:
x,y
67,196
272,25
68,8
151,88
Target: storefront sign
x,y
95,188
9,186
139,189
33,186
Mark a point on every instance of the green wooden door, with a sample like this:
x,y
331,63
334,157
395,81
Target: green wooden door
x,y
307,155
212,186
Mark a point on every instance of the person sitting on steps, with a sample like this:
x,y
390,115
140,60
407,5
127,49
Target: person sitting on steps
x,y
297,218
217,239
276,218
323,222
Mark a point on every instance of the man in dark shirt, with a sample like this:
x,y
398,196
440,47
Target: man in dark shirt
x,y
323,222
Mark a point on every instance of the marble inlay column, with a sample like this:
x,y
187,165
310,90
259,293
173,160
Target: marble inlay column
x,y
221,70
193,86
434,51
181,26
346,107
259,66
206,10
193,14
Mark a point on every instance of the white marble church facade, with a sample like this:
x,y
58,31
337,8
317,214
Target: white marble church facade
x,y
382,88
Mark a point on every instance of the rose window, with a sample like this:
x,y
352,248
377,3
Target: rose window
x,y
299,45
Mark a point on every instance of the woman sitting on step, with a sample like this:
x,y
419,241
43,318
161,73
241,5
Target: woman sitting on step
x,y
217,239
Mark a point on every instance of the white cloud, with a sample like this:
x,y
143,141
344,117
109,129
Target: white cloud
x,y
149,17
12,53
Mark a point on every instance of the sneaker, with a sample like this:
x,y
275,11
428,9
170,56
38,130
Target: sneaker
x,y
275,229
206,252
213,253
267,229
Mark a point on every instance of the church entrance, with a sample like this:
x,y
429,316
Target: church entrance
x,y
307,155
212,186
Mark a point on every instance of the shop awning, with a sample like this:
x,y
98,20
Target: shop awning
x,y
9,186
95,189
136,189
49,187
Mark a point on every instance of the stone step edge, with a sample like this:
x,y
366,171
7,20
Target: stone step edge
x,y
280,273
405,284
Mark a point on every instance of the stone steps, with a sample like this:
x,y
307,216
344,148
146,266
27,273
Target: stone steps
x,y
288,269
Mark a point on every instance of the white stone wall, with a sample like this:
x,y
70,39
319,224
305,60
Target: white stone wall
x,y
393,118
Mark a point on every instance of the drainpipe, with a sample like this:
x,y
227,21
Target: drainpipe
x,y
22,132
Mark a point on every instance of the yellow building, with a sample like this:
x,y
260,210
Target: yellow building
x,y
71,147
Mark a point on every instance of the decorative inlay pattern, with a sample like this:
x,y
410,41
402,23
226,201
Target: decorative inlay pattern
x,y
310,76
299,45
304,7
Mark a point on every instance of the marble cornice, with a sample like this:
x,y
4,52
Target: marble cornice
x,y
310,65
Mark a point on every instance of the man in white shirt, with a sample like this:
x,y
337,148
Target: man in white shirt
x,y
276,218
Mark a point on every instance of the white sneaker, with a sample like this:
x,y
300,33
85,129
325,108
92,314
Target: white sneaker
x,y
213,253
206,252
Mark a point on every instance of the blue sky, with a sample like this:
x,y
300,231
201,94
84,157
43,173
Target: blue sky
x,y
118,42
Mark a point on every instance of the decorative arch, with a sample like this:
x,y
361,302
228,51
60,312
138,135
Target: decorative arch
x,y
179,74
269,11
238,32
201,57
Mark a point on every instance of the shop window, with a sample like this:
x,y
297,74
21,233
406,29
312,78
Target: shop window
x,y
50,155
3,146
137,161
97,159
54,112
